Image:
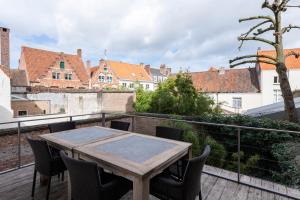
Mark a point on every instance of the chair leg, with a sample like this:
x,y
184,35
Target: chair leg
x,y
200,196
63,176
33,183
48,188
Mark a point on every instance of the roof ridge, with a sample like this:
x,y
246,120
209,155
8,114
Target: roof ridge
x,y
49,51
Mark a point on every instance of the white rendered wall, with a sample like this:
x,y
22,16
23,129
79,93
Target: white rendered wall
x,y
249,101
5,97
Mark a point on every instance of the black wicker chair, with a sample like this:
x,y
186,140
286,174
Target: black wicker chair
x,y
123,126
165,187
45,163
90,182
62,126
58,127
173,134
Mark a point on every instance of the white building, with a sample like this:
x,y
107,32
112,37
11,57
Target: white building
x,y
158,75
5,96
235,90
131,75
238,90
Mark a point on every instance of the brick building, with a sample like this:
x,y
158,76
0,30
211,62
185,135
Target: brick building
x,y
158,75
53,69
102,76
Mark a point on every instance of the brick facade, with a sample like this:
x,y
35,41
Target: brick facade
x,y
54,69
30,107
103,70
4,47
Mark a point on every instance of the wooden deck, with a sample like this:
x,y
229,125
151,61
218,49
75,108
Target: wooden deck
x,y
16,185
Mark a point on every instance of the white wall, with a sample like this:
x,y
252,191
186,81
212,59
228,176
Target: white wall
x,y
268,86
151,85
249,100
5,97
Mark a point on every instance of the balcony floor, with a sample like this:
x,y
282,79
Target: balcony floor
x,y
16,185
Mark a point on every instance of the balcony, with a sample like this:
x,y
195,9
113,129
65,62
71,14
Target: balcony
x,y
16,168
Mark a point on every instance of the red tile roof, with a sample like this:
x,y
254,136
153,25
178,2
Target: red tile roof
x,y
131,72
38,62
291,62
230,81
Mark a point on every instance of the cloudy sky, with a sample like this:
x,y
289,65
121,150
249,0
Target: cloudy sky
x,y
194,34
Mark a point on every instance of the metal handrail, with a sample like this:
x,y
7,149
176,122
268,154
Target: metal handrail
x,y
103,118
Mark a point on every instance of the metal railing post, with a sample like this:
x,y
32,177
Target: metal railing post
x,y
132,124
239,154
71,118
103,119
19,144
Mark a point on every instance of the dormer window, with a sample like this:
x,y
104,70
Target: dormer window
x,y
62,65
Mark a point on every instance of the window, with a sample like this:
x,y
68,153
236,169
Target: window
x,y
131,85
55,75
237,102
124,84
276,80
62,65
109,79
22,113
68,76
105,69
147,86
277,96
101,79
155,78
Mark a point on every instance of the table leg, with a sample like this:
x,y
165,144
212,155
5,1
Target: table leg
x,y
141,189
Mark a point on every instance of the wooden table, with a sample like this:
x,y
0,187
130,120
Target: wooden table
x,y
136,157
68,140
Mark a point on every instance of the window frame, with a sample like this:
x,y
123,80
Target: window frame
x,y
101,79
62,65
55,75
22,111
237,102
68,76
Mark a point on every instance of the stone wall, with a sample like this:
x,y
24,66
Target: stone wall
x,y
74,102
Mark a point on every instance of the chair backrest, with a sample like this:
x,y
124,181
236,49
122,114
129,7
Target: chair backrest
x,y
169,133
192,175
84,177
42,156
62,126
124,126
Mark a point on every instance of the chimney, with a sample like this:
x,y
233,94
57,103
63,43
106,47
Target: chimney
x,y
4,47
142,64
162,69
168,71
79,53
147,68
88,67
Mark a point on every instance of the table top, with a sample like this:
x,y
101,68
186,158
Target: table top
x,y
81,136
135,153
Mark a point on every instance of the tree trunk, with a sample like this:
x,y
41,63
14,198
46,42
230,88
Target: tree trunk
x,y
289,104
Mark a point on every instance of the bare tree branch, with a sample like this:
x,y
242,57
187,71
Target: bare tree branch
x,y
257,39
252,61
252,56
293,53
261,31
288,28
257,17
292,6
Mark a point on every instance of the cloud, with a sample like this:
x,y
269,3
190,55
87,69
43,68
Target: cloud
x,y
195,34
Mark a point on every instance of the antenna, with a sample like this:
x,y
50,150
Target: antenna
x,y
105,54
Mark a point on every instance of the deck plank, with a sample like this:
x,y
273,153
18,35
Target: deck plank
x,y
16,185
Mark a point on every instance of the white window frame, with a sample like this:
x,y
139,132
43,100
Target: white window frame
x,y
101,78
277,96
68,77
124,84
55,75
147,86
237,102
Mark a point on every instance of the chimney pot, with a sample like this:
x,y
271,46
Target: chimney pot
x,y
79,53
